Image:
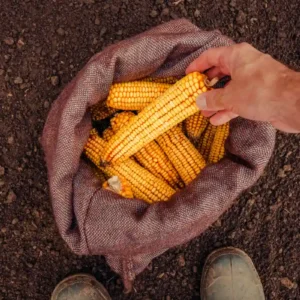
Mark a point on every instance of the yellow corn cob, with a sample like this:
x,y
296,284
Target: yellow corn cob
x,y
100,111
195,126
183,155
151,157
168,110
217,150
134,95
144,185
119,186
180,125
107,134
121,119
170,80
207,140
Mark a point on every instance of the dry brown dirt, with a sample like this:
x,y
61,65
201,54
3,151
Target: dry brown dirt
x,y
43,44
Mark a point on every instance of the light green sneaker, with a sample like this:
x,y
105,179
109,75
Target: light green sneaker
x,y
229,274
80,287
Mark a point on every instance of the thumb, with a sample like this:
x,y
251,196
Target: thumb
x,y
212,100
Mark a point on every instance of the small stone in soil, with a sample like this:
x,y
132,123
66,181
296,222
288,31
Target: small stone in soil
x,y
9,41
54,80
60,31
18,80
181,260
46,104
153,13
286,282
241,17
11,197
197,13
7,57
165,11
281,173
10,140
14,221
273,19
97,21
20,43
2,171
287,168
282,34
184,282
232,3
103,31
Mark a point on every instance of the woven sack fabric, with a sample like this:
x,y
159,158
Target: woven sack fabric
x,y
130,233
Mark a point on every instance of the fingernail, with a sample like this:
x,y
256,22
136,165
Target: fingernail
x,y
201,102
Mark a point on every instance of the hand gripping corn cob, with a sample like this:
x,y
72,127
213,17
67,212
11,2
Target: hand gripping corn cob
x,y
217,150
169,109
134,95
151,157
119,186
144,185
183,155
195,126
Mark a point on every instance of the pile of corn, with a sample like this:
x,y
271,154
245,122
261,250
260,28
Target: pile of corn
x,y
158,141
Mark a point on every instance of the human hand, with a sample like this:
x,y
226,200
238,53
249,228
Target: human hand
x,y
260,88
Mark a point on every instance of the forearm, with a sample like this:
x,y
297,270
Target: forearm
x,y
290,111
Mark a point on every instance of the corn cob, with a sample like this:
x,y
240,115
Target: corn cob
x,y
180,125
144,185
134,95
171,108
183,155
151,157
100,111
120,120
217,150
107,134
119,186
207,140
170,80
195,126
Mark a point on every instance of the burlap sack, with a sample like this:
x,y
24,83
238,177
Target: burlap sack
x,y
129,233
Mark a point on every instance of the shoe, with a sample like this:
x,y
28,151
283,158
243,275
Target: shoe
x,y
80,287
229,274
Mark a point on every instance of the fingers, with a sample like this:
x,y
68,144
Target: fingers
x,y
208,114
211,101
215,72
222,117
215,57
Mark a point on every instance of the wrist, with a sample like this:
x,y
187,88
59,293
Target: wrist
x,y
289,97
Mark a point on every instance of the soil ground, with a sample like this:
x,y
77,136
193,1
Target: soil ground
x,y
43,44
